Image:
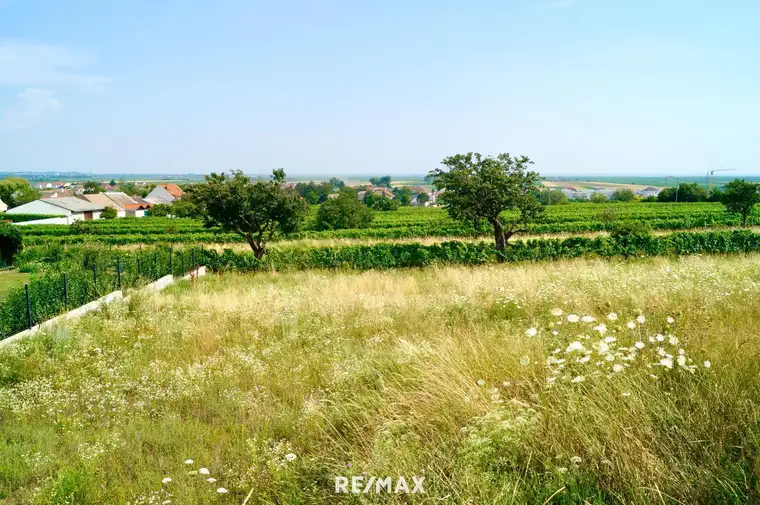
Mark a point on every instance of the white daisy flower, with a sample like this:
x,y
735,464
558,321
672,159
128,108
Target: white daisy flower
x,y
707,364
204,471
166,480
290,457
531,332
612,316
572,318
631,325
641,319
221,490
557,312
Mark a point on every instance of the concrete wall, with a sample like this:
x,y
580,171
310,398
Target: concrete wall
x,y
50,220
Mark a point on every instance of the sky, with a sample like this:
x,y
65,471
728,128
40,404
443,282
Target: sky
x,y
645,87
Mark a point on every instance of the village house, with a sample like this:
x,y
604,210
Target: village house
x,y
165,193
70,208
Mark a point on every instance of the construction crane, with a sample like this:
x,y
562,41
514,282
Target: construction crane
x,y
711,172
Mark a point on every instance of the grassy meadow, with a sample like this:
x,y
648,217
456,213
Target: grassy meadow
x,y
585,381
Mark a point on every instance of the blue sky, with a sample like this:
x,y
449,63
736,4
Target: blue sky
x,y
336,86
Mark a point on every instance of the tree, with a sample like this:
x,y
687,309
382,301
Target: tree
x,y
160,210
15,191
92,187
404,195
598,198
381,181
552,197
186,207
112,183
254,210
423,198
108,213
337,183
623,195
740,197
343,212
10,243
685,192
379,201
478,188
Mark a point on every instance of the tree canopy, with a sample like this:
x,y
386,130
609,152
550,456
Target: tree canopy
x,y
384,181
10,243
92,187
108,213
685,192
15,191
343,212
623,195
740,196
477,188
254,210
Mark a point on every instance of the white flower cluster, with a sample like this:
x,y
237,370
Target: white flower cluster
x,y
602,351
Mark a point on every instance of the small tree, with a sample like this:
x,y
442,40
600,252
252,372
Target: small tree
x,y
623,195
108,213
160,210
10,243
423,198
740,196
477,188
598,198
343,212
92,187
254,210
15,191
112,182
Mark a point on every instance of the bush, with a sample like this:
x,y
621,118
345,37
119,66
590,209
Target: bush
x,y
342,213
11,243
108,213
628,229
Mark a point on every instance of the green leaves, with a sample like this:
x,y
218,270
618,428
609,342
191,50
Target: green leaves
x,y
740,197
477,188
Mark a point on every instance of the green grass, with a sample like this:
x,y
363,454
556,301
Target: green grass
x,y
431,372
10,280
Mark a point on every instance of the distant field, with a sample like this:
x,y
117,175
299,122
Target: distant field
x,y
634,182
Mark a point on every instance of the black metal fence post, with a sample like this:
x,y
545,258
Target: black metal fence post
x,y
139,273
182,255
192,262
155,260
65,291
28,307
118,271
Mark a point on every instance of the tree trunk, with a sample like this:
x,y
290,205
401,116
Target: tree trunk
x,y
258,249
500,237
744,220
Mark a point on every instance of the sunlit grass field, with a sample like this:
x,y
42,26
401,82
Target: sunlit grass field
x,y
584,381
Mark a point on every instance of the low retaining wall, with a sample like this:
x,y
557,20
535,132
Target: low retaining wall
x,y
157,286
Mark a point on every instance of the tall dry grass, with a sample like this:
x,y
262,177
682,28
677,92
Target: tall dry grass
x,y
276,383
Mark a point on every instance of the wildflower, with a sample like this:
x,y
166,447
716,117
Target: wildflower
x,y
707,364
681,360
672,340
211,480
574,346
612,316
562,469
531,332
641,319
631,325
639,345
221,490
550,380
601,328
525,361
609,340
584,359
617,367
506,384
588,319
575,460
189,462
555,332
290,457
603,347
204,471
671,320
481,382
572,318
659,338
626,394
166,480
166,502
578,379
666,362
557,312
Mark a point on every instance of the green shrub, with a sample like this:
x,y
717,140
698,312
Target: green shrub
x,y
11,243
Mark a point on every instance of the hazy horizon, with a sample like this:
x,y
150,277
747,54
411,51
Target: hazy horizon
x,y
378,87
